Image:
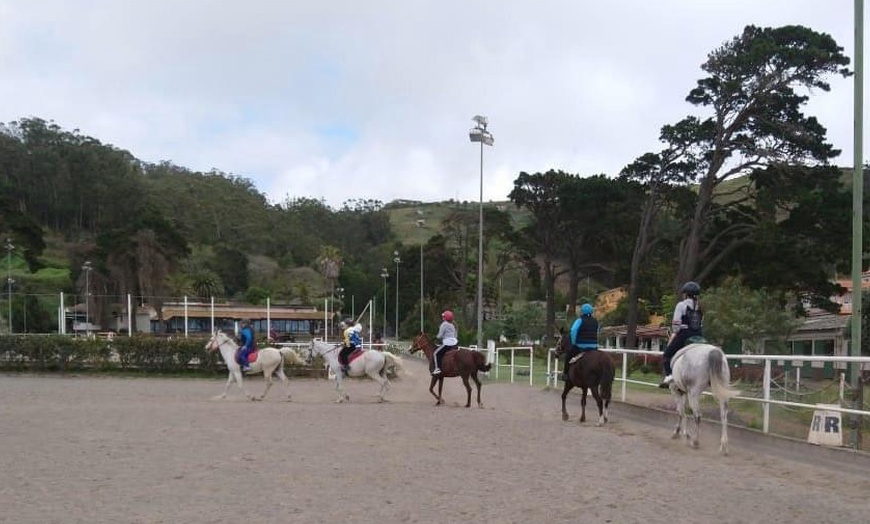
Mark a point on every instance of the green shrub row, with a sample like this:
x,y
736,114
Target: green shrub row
x,y
145,354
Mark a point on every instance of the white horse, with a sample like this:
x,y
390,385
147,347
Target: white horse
x,y
269,360
695,367
371,363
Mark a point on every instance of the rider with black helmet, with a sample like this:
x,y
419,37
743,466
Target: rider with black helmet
x,y
686,324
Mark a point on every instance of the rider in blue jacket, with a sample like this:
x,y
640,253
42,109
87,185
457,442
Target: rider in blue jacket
x,y
248,344
584,335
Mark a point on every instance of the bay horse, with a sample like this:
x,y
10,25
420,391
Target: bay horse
x,y
365,363
459,362
269,360
695,367
594,371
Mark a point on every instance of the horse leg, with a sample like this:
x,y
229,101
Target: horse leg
x,y
285,382
568,387
432,390
681,413
583,404
695,404
440,387
227,386
238,377
468,390
339,385
597,396
477,383
267,376
723,416
380,379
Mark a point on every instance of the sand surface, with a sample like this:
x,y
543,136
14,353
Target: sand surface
x,y
147,450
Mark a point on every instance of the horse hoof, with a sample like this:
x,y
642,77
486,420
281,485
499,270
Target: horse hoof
x,y
694,444
480,405
564,417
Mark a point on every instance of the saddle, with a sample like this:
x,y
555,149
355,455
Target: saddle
x,y
446,358
252,356
578,356
355,354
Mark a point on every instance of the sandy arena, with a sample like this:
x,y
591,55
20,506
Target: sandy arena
x,y
137,450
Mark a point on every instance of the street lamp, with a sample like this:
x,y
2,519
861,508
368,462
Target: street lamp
x,y
87,269
385,274
396,259
420,224
9,281
479,133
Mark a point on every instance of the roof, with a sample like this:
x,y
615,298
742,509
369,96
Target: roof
x,y
252,312
641,332
823,322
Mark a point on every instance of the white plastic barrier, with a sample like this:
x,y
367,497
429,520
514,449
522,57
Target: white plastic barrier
x,y
766,400
512,365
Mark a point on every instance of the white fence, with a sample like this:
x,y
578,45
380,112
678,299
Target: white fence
x,y
765,400
512,363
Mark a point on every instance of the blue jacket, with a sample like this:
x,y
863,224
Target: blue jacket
x,y
247,335
584,333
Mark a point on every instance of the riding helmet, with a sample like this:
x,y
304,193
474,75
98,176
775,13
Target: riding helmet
x,y
691,288
586,309
447,315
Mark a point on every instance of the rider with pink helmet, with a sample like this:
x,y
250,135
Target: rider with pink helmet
x,y
447,335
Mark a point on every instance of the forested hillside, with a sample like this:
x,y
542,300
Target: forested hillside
x,y
745,195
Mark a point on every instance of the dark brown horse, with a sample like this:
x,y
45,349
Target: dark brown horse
x,y
594,371
460,362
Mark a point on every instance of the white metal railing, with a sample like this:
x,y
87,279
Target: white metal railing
x,y
766,400
512,365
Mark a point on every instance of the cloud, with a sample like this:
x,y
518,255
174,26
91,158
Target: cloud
x,y
347,99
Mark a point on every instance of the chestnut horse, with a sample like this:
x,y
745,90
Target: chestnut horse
x,y
459,362
594,371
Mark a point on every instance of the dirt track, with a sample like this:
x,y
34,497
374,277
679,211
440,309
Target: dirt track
x,y
81,449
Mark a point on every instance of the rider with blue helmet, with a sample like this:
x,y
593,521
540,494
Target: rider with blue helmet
x,y
584,335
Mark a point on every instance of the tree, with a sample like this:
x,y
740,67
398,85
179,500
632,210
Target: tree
x,y
733,312
660,174
598,217
756,121
539,193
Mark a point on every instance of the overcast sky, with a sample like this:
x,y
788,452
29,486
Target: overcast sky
x,y
374,98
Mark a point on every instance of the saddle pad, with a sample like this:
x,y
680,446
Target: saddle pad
x,y
252,356
354,355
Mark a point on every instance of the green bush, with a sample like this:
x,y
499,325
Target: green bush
x,y
141,353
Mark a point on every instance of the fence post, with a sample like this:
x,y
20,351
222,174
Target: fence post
x,y
549,367
766,406
512,365
531,365
624,373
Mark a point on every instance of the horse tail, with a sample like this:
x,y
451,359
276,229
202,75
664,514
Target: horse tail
x,y
289,356
608,373
720,376
480,361
395,361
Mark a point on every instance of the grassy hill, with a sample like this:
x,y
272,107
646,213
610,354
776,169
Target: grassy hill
x,y
405,214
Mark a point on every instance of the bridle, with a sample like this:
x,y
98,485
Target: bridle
x,y
311,351
419,342
214,344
